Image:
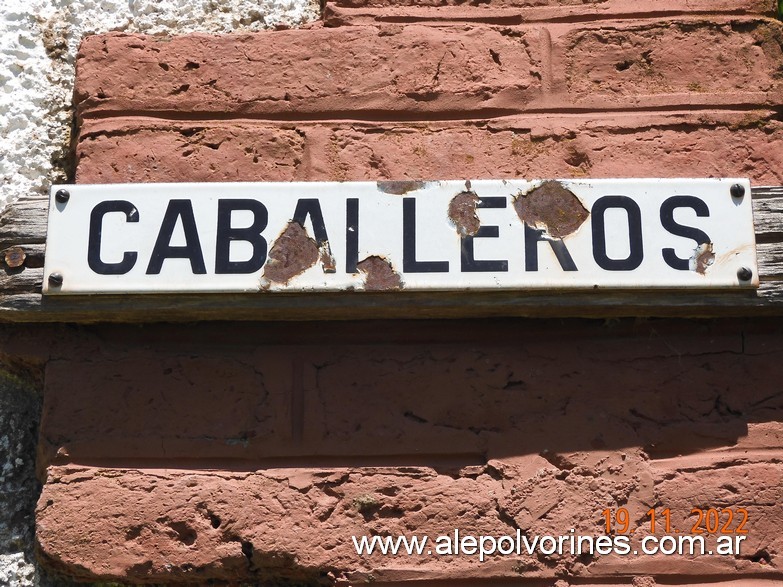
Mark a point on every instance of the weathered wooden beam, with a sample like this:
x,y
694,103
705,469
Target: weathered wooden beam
x,y
24,222
770,256
30,307
768,213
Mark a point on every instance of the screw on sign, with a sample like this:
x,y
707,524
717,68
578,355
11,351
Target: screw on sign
x,y
737,191
744,274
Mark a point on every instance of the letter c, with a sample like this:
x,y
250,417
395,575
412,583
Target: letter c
x,y
96,232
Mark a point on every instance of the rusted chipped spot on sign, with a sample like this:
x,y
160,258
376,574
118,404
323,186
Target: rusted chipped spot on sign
x,y
462,213
381,276
14,257
400,188
326,258
291,254
552,207
703,258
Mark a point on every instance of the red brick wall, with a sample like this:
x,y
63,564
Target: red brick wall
x,y
172,448
253,452
693,90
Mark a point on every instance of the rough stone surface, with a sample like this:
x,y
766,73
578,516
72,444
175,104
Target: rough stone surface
x,y
38,44
20,405
676,57
19,414
113,153
374,69
714,144
447,428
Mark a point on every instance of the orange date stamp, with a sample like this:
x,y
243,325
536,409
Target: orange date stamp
x,y
700,521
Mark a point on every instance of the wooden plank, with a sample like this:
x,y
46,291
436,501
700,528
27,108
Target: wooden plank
x,y
24,225
33,254
31,307
24,222
769,191
26,277
768,214
770,258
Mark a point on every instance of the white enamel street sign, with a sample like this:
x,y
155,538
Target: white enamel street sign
x,y
439,235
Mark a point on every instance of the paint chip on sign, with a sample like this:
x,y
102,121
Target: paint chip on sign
x,y
400,188
462,212
703,258
381,276
291,254
553,208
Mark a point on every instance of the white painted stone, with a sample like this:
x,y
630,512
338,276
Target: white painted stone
x,y
38,44
16,570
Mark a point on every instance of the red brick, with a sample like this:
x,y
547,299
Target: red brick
x,y
160,525
729,483
698,57
166,405
309,72
296,524
709,144
500,403
577,146
470,398
582,7
483,4
483,428
414,72
117,151
511,12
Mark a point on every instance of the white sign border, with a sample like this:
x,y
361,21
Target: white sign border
x,y
381,218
